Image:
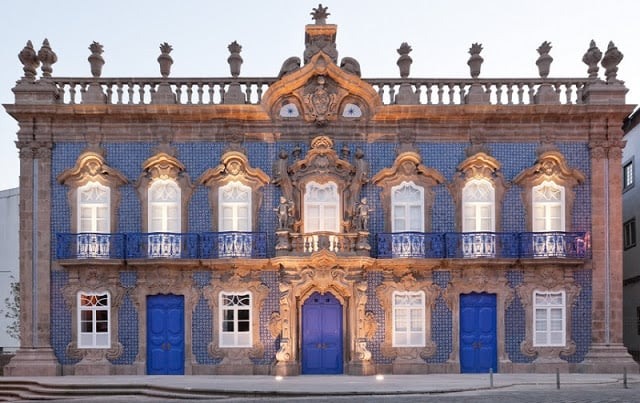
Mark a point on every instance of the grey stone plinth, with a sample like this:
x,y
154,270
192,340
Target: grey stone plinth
x,y
546,95
288,368
94,95
406,95
163,95
602,93
609,359
35,92
234,95
476,95
33,362
361,368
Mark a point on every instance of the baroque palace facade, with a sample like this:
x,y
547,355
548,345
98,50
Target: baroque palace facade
x,y
318,222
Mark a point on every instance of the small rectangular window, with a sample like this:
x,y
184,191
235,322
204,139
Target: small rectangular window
x,y
629,234
549,325
408,319
627,175
235,326
93,321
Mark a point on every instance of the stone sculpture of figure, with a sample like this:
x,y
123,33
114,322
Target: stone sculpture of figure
x,y
284,211
360,177
362,215
281,175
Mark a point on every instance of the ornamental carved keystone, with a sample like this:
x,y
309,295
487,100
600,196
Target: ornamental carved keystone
x,y
479,165
233,283
408,169
550,166
547,279
385,293
234,167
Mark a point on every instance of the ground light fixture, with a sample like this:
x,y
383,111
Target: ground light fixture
x,y
279,378
379,377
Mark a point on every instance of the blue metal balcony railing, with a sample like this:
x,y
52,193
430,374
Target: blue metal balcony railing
x,y
161,245
215,245
89,245
457,245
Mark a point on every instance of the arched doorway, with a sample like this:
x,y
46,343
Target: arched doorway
x,y
322,336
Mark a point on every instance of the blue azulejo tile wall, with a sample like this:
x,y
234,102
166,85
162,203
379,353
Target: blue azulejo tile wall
x,y
61,332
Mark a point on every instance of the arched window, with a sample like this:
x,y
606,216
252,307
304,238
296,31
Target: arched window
x,y
164,206
234,207
407,213
548,207
478,206
94,220
321,207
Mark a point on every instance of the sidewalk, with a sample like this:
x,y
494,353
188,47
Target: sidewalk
x,y
306,385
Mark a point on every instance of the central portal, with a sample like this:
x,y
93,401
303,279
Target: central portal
x,y
322,335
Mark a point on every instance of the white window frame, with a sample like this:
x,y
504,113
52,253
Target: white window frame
x,y
628,177
234,196
408,312
235,338
543,329
93,240
165,204
473,201
399,201
547,206
323,203
93,303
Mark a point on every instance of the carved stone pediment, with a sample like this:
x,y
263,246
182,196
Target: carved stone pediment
x,y
234,167
551,166
479,165
408,168
321,88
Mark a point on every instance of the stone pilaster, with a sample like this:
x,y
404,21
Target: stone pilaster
x,y
35,356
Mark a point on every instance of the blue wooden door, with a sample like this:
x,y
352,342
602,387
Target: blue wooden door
x,y
165,335
478,347
322,335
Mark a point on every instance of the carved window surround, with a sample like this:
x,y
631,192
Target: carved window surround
x,y
234,167
478,166
385,292
236,284
91,166
479,280
163,165
98,280
408,168
323,275
550,166
164,280
322,165
547,279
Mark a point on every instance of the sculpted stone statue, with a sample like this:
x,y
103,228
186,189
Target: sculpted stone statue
x,y
362,215
284,211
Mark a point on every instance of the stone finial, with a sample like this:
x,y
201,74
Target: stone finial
x,y
165,60
29,60
475,61
320,15
544,60
591,59
404,61
235,60
48,57
95,59
612,57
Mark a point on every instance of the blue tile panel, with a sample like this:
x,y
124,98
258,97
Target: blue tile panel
x,y
374,279
270,305
127,331
202,332
60,318
581,316
198,157
515,321
441,321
